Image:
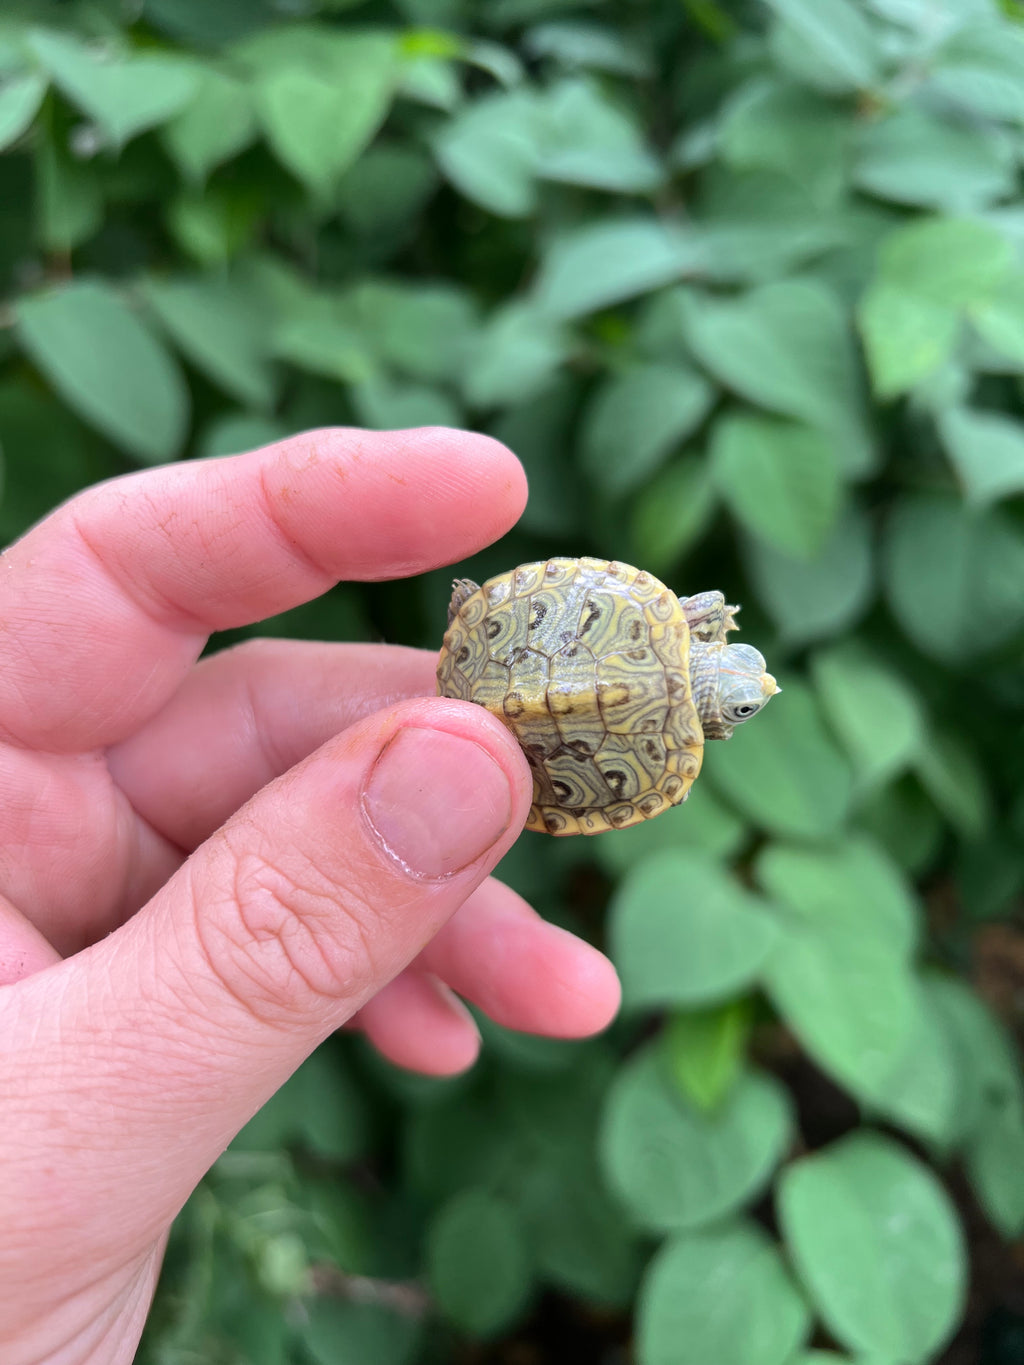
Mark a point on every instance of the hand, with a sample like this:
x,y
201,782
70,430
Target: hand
x,y
207,868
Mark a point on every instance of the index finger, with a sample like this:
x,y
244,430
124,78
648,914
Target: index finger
x,y
106,604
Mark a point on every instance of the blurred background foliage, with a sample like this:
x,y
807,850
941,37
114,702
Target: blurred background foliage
x,y
743,285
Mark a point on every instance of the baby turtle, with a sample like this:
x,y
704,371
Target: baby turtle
x,y
609,681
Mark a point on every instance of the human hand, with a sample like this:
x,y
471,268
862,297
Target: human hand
x,y
207,868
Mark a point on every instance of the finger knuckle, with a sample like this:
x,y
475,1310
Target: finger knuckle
x,y
286,939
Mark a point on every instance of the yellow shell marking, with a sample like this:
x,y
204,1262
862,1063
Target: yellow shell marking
x,y
587,662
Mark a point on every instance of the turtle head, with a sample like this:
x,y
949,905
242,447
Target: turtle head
x,y
730,684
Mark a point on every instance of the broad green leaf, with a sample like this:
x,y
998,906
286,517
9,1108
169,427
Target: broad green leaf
x,y
635,420
384,193
787,346
704,823
478,1263
724,1296
672,511
995,1159
593,142
775,126
849,889
333,1330
675,1166
705,1050
324,338
125,95
219,327
20,98
426,331
683,932
953,777
782,770
235,432
907,825
579,1231
107,366
319,115
386,405
876,1241
952,576
876,715
922,158
987,451
951,261
999,318
516,352
217,122
813,599
780,479
981,69
576,44
907,337
839,36
605,262
490,150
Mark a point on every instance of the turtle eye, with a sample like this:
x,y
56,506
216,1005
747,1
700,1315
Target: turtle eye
x,y
744,710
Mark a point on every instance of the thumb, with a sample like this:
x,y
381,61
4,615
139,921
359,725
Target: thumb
x,y
159,1043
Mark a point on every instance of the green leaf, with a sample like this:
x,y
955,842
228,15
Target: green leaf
x,y
20,98
514,356
922,158
635,420
928,272
707,825
999,319
876,1241
216,123
783,771
125,96
592,142
840,977
724,1296
490,151
676,1167
906,337
605,262
212,228
813,599
478,1263
385,405
838,36
705,1050
779,479
426,331
876,715
219,327
981,69
905,823
672,512
951,261
787,346
325,338
334,1330
772,125
320,113
987,451
108,367
952,574
684,932
952,776
575,44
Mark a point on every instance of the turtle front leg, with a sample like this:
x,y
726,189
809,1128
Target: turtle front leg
x,y
462,590
709,617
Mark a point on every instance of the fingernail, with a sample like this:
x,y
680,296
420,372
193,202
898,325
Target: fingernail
x,y
435,801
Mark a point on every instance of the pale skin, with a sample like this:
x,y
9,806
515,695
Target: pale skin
x,y
207,868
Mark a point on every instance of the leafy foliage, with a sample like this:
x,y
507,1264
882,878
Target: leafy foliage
x,y
744,288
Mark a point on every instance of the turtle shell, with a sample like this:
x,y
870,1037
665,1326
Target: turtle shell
x,y
587,662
